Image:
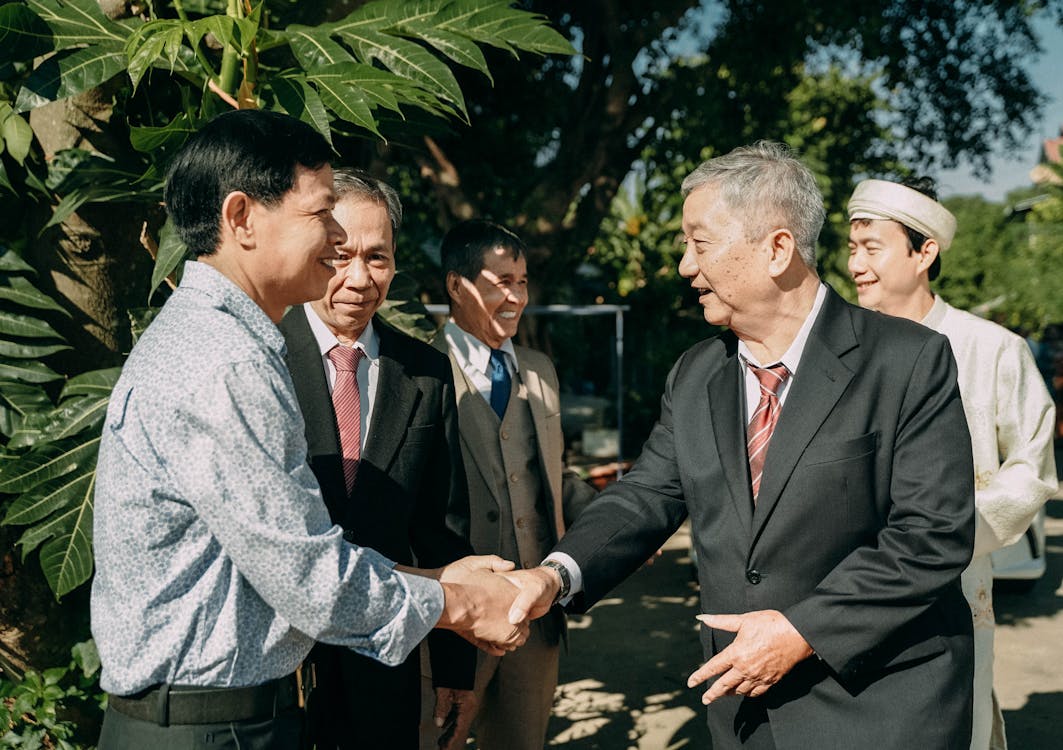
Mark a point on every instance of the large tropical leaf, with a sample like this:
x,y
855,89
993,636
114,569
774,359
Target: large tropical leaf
x,y
313,48
152,43
23,35
18,401
172,253
98,383
29,348
299,99
77,22
10,261
21,291
13,324
69,418
71,72
494,22
47,462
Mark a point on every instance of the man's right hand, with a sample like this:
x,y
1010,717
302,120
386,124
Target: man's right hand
x,y
538,589
477,603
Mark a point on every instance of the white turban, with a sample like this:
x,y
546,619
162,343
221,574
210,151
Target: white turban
x,y
879,199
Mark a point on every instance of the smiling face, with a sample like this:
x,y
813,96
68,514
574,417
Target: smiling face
x,y
293,243
726,270
889,276
364,271
490,305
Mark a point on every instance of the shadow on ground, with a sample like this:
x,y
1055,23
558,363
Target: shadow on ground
x,y
1014,602
1036,724
623,681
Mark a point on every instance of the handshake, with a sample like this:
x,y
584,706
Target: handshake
x,y
490,604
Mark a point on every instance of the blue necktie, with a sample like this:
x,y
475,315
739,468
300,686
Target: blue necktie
x,y
500,382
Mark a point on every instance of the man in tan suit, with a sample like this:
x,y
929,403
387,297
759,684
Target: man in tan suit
x,y
520,498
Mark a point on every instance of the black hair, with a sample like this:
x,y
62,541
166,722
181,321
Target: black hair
x,y
247,150
927,187
466,244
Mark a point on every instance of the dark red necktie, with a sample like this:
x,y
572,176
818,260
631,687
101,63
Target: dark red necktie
x,y
347,402
762,423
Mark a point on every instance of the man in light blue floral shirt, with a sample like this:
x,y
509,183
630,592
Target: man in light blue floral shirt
x,y
217,565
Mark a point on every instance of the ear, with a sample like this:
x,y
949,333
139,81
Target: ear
x,y
782,248
454,285
237,218
928,253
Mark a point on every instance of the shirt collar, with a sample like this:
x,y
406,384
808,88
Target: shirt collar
x,y
368,342
936,314
204,279
792,356
471,353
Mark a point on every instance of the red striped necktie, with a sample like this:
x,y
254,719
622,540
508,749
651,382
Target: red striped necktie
x,y
347,402
762,423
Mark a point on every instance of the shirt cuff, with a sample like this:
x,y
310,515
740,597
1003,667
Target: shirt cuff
x,y
574,574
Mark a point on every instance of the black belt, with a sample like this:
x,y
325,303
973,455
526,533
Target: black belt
x,y
177,704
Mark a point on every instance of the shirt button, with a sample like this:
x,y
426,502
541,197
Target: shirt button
x,y
753,576
492,515
513,478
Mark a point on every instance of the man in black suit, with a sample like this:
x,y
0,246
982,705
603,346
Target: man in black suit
x,y
821,454
391,475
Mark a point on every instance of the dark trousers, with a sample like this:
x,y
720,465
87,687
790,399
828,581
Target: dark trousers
x,y
283,731
360,704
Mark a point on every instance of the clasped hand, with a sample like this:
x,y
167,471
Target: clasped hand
x,y
478,603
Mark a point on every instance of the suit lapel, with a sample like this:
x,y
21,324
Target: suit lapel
x,y
311,385
821,379
393,405
537,404
728,428
478,426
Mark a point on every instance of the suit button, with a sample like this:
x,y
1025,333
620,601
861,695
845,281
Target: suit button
x,y
504,435
513,478
753,576
520,523
492,515
348,536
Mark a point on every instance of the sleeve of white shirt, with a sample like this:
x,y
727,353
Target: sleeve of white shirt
x,y
574,574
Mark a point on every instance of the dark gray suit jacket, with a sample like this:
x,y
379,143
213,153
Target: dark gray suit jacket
x,y
410,500
864,522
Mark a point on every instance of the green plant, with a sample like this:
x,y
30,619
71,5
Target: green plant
x,y
47,709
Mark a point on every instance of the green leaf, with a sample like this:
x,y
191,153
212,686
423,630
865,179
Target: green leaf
x,y
30,371
71,72
169,136
494,22
139,320
24,398
221,27
46,462
459,49
86,657
19,290
10,261
13,324
29,348
151,44
17,134
98,383
66,557
44,499
406,59
313,48
346,102
70,418
299,99
77,22
379,87
77,197
23,35
172,253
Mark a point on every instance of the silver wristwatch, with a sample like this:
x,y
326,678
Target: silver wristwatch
x,y
562,572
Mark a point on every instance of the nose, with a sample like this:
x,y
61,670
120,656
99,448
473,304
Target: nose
x,y
517,294
356,275
688,267
337,235
857,262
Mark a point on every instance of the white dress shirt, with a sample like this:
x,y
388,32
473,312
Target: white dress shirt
x,y
368,365
473,357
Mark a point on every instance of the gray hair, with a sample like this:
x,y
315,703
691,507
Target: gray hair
x,y
755,179
349,181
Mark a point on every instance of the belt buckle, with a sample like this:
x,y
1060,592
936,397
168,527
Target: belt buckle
x,y
305,682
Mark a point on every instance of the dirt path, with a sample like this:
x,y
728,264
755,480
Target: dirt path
x,y
623,682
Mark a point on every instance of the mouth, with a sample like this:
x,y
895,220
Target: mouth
x,y
863,286
508,315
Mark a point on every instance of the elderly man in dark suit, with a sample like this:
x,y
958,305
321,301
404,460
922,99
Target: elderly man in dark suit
x,y
382,430
821,454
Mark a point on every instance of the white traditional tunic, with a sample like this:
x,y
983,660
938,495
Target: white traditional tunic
x,y
1011,418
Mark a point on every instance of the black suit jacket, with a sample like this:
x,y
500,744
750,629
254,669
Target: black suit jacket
x,y
864,522
409,501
